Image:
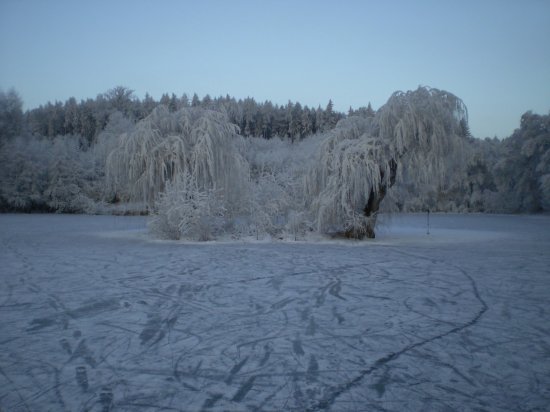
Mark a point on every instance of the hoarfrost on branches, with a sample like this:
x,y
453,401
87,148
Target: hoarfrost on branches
x,y
187,164
329,183
423,131
164,146
185,211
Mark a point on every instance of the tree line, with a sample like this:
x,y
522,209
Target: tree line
x,y
54,157
89,117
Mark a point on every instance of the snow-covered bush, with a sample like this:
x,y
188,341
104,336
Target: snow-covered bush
x,y
48,175
184,210
24,164
268,203
72,181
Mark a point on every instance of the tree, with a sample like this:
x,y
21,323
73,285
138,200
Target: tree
x,y
358,161
120,98
164,146
195,101
165,100
72,117
147,106
186,211
369,111
524,162
295,125
349,179
11,115
184,101
306,126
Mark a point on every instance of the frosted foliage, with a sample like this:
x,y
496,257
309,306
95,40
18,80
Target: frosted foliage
x,y
197,167
545,190
166,145
107,140
425,128
349,166
185,211
269,202
423,131
48,175
70,174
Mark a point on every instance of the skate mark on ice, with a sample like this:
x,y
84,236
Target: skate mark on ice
x,y
335,289
304,314
57,388
267,354
106,399
321,296
41,323
22,400
380,385
424,315
151,328
312,369
335,392
281,304
83,311
311,327
94,308
81,377
297,347
244,389
82,351
66,346
338,317
210,402
235,369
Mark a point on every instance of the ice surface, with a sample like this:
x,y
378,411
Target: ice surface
x,y
95,316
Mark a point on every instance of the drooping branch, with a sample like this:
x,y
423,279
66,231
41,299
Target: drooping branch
x,y
358,161
165,146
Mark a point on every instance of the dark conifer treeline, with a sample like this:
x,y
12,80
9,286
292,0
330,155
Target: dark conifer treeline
x,y
89,117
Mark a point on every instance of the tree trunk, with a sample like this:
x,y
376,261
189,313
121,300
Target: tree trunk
x,y
373,205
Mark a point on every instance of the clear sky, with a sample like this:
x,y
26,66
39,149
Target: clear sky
x,y
494,55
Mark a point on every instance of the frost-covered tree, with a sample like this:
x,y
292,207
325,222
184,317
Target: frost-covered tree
x,y
106,143
164,146
523,163
120,98
11,115
426,129
184,210
351,174
417,134
47,175
24,163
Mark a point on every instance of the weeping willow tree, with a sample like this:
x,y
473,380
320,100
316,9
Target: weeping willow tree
x,y
427,129
165,147
352,165
358,161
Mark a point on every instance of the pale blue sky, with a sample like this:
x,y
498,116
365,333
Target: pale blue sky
x,y
495,55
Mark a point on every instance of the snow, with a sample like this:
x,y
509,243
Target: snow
x,y
97,316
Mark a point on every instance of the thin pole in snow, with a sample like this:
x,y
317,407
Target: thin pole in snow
x,y
428,232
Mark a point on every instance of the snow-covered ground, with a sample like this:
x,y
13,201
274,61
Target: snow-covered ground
x,y
95,316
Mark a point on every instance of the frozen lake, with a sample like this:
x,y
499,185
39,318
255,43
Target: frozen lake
x,y
95,316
